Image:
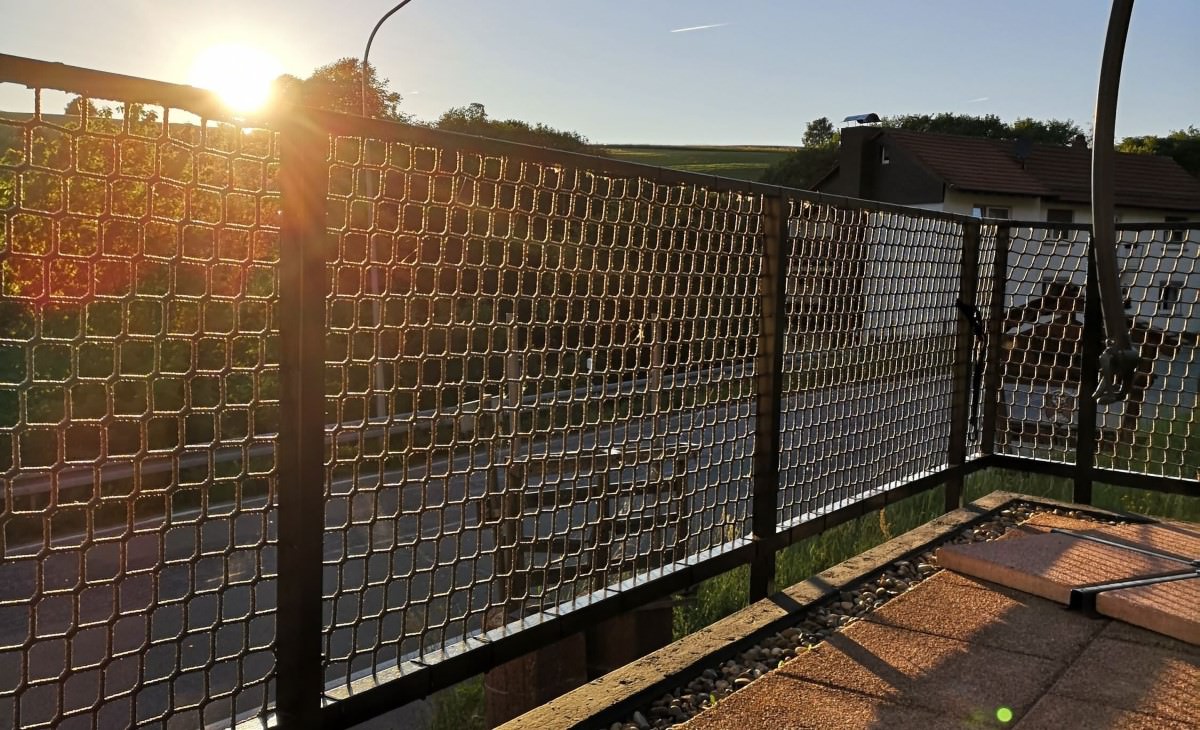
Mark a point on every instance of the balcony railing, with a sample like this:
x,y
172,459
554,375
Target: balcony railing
x,y
308,417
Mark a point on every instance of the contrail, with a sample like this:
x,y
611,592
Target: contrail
x,y
699,27
976,101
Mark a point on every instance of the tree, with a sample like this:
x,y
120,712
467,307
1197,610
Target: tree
x,y
337,87
473,119
1181,145
990,126
820,133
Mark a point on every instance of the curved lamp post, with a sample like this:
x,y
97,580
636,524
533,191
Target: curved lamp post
x,y
367,53
381,407
1119,359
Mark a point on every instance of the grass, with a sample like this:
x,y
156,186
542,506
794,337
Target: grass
x,y
460,707
740,162
722,595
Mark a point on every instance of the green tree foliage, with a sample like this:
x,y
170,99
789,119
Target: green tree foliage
x,y
337,87
1181,145
473,119
820,133
990,126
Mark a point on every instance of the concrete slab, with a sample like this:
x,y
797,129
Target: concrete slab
x,y
1054,712
954,607
1171,608
1139,678
782,702
1121,631
952,678
1050,565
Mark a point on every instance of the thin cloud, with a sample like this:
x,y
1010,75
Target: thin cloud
x,y
699,27
976,101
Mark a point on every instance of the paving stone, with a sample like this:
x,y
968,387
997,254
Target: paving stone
x,y
950,677
1170,608
1121,631
1054,712
947,605
1050,565
1135,677
783,703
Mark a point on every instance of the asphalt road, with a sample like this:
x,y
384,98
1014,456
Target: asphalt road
x,y
151,625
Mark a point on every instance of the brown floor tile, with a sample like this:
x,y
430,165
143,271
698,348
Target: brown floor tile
x,y
1050,565
779,702
1146,679
999,618
1172,539
942,675
1054,712
1121,631
1170,608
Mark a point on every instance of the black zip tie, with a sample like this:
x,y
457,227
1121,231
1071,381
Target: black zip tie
x,y
1084,599
1123,546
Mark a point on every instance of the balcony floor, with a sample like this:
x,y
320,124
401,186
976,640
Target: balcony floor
x,y
959,652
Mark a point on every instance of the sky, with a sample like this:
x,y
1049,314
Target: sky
x,y
666,71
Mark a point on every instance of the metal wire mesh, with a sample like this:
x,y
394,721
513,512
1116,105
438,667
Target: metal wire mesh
x,y
1042,335
540,387
137,417
869,351
1155,431
542,379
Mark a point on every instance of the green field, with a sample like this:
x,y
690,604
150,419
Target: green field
x,y
742,162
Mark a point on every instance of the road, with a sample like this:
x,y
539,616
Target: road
x,y
185,608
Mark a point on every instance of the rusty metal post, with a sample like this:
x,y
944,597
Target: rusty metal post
x,y
302,291
964,343
993,384
768,369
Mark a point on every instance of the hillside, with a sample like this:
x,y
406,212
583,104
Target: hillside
x,y
742,162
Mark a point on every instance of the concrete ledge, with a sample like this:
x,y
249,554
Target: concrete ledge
x,y
617,694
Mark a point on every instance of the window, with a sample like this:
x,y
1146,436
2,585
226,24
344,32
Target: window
x,y
1168,296
989,211
1060,215
1176,235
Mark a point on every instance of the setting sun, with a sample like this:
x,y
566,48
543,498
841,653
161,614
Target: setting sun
x,y
241,74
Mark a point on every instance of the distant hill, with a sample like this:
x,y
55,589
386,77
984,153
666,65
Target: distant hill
x,y
742,162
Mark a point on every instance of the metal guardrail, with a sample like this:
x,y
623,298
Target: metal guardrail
x,y
172,276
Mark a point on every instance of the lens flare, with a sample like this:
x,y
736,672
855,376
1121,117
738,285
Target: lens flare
x,y
242,75
1004,714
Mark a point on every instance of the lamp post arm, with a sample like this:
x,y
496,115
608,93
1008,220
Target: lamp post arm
x,y
1119,360
367,53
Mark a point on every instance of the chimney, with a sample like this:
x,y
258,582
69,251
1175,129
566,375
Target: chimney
x,y
1079,143
854,160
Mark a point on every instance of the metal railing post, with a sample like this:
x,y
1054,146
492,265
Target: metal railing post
x,y
302,291
995,342
768,368
964,343
1089,376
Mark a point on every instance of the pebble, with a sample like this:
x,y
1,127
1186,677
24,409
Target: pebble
x,y
847,607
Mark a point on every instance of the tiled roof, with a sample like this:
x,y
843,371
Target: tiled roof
x,y
1058,173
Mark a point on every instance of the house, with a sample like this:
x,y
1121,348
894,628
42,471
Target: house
x,y
1040,186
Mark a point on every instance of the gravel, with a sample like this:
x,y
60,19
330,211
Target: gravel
x,y
813,626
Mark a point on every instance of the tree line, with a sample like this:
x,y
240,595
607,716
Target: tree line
x,y
819,153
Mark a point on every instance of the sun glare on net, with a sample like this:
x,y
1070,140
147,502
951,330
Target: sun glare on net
x,y
242,75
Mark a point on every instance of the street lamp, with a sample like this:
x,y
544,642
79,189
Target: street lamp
x,y
367,52
374,283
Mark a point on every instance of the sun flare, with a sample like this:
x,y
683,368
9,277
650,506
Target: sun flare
x,y
242,75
